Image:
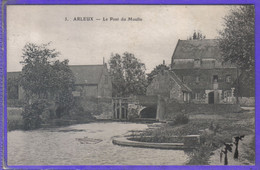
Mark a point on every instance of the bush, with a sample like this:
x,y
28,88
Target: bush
x,y
14,118
181,119
32,114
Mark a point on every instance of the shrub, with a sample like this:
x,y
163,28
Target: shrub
x,y
14,118
32,114
181,119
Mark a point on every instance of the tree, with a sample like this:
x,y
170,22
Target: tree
x,y
236,42
156,71
43,76
128,75
197,35
45,81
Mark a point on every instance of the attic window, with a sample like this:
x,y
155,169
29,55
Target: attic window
x,y
215,78
197,63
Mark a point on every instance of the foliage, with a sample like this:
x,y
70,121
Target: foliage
x,y
45,77
155,72
14,119
236,40
197,35
181,119
199,156
32,114
128,75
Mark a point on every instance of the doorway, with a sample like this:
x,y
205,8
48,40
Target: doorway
x,y
211,98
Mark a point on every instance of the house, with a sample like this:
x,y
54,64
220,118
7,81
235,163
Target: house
x,y
198,63
91,81
168,84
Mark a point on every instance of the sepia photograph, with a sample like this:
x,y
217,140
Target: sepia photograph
x,y
130,85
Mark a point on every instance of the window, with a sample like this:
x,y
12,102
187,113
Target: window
x,y
215,78
197,63
227,93
228,79
197,79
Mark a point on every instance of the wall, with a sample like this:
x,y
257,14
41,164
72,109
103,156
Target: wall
x,y
176,92
159,86
99,107
173,107
206,80
246,101
164,85
105,84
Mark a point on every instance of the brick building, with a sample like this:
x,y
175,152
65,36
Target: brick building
x,y
168,84
91,81
199,65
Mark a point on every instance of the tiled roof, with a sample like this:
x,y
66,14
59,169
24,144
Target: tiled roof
x,y
197,49
87,74
84,74
13,74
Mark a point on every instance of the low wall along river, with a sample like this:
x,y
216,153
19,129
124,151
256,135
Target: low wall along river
x,y
85,144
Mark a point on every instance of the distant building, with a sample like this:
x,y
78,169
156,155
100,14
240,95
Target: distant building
x,y
91,80
168,84
199,65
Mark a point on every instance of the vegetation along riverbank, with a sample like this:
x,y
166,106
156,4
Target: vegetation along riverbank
x,y
215,129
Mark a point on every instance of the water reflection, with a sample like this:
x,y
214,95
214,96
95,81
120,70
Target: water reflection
x,y
85,144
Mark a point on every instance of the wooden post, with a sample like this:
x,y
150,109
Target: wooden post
x,y
113,110
125,113
120,108
116,109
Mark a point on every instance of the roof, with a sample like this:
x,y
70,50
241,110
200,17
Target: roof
x,y
87,74
13,74
197,49
84,74
184,87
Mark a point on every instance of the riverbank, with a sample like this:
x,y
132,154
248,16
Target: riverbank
x,y
15,120
214,129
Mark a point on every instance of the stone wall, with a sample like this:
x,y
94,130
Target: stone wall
x,y
173,107
246,101
99,107
200,80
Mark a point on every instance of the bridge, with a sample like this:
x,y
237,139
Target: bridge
x,y
143,106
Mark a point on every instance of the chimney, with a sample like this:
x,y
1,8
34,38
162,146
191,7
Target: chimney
x,y
103,60
163,62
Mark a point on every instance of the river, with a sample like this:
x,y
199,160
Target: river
x,y
64,146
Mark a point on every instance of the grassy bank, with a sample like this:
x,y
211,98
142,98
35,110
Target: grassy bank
x,y
215,129
15,119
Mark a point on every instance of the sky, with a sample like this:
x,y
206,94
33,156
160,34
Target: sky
x,y
152,38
